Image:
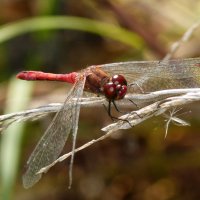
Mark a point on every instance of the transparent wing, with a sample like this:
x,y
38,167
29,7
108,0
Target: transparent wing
x,y
51,144
155,75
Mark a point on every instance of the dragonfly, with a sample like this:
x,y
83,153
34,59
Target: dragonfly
x,y
113,81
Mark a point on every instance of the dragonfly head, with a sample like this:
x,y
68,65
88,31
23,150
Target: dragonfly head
x,y
116,88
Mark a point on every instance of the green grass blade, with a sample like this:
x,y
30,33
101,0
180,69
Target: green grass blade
x,y
75,23
17,99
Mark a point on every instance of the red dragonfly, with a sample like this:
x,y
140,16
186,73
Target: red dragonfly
x,y
114,81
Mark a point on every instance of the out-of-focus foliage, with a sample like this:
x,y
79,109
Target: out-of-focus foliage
x,y
137,165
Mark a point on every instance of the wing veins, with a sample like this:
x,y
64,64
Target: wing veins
x,y
56,134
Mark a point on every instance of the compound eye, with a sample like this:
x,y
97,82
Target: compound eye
x,y
119,80
116,88
121,92
110,90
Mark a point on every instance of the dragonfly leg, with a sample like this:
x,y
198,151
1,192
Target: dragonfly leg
x,y
117,109
134,104
108,110
140,88
110,114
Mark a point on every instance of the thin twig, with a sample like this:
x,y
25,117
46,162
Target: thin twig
x,y
175,46
140,99
173,117
37,113
136,117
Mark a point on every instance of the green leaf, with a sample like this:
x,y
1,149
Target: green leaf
x,y
17,99
114,32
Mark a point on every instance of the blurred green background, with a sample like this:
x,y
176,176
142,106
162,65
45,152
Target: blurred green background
x,y
135,164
